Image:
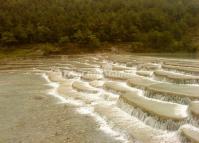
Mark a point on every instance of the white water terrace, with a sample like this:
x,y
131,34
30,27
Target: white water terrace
x,y
132,98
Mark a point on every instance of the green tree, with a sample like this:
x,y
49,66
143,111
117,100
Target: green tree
x,y
64,40
8,38
155,24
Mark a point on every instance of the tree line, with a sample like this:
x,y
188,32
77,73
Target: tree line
x,y
159,24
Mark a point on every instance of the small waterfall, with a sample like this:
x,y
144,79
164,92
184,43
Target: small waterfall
x,y
177,81
183,137
193,120
154,120
69,74
136,86
149,119
180,71
169,98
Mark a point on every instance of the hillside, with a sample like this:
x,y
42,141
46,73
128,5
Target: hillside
x,y
148,25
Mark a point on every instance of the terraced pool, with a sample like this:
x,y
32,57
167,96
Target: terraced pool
x,y
131,98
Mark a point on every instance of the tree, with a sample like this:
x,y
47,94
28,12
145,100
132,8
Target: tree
x,y
64,40
162,41
8,38
155,24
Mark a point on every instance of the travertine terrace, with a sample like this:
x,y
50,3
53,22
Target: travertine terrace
x,y
150,99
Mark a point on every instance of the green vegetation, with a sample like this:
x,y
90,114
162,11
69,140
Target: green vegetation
x,y
160,25
27,51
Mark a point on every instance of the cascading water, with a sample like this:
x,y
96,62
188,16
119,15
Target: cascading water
x,y
177,81
89,76
150,119
165,97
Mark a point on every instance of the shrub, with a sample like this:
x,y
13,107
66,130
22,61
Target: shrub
x,y
93,41
8,38
64,40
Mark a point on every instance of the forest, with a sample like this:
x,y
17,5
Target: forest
x,y
162,25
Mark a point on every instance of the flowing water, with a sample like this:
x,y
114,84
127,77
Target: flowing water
x,y
100,98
